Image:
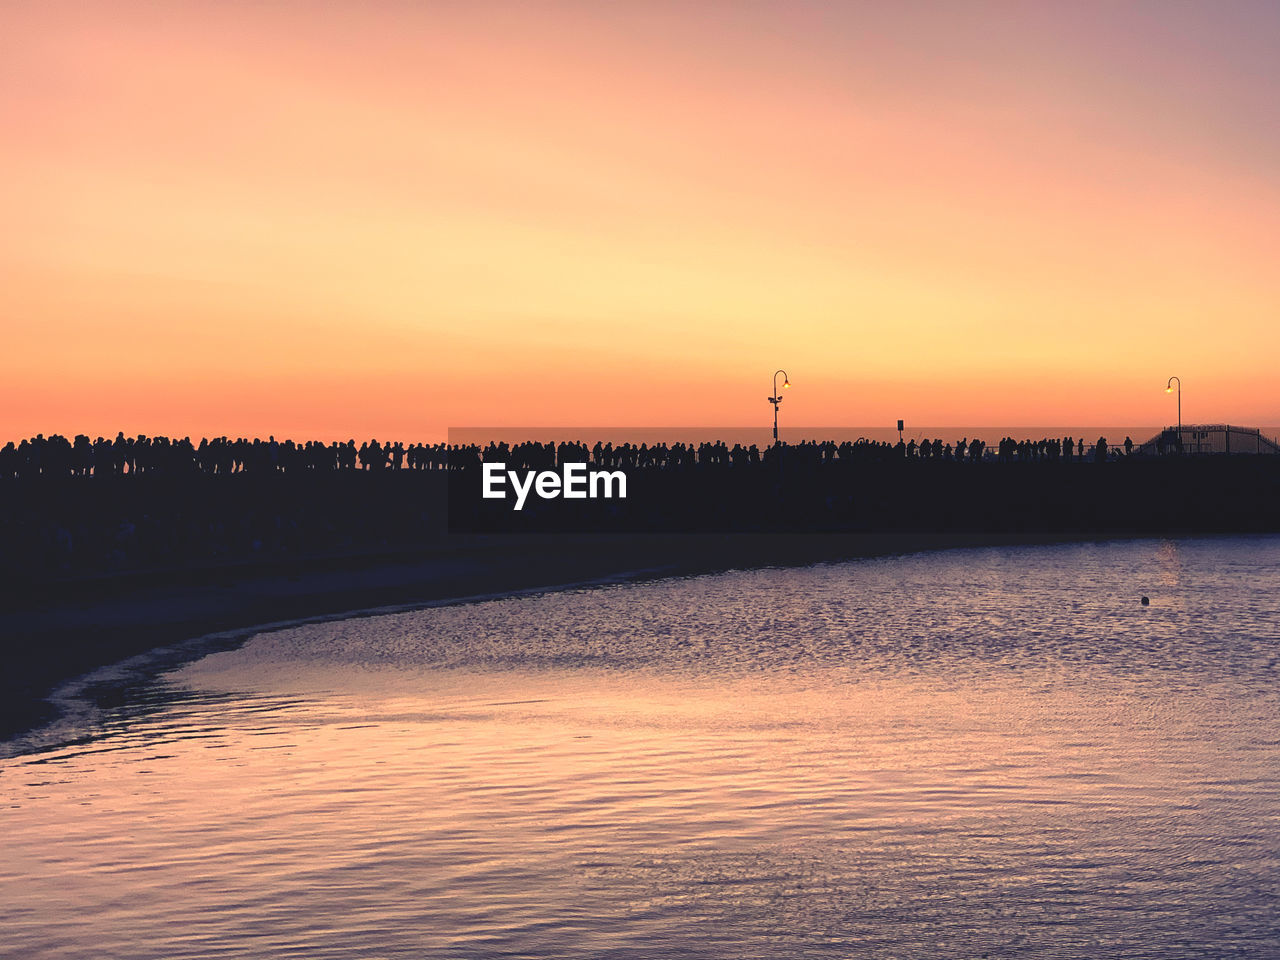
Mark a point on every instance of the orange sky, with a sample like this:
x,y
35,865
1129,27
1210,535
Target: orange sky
x,y
332,220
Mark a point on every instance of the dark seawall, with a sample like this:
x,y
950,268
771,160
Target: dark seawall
x,y
1125,496
57,528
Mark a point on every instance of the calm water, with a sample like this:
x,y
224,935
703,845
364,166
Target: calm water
x,y
976,753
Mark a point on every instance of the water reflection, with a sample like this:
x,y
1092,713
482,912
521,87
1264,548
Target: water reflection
x,y
985,752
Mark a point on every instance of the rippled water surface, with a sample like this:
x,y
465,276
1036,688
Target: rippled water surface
x,y
995,753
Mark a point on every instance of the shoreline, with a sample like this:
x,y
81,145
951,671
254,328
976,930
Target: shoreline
x,y
68,630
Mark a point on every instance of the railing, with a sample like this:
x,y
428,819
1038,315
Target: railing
x,y
1211,438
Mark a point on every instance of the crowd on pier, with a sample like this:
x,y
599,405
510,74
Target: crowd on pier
x,y
55,455
73,508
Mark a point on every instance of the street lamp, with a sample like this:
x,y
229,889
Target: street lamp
x,y
776,399
1168,388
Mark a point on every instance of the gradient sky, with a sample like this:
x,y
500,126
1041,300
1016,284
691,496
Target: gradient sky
x,y
353,219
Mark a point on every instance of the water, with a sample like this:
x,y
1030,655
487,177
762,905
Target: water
x,y
994,753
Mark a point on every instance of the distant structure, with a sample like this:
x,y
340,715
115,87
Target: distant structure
x,y
1208,438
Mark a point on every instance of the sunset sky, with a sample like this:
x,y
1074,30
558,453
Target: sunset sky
x,y
388,218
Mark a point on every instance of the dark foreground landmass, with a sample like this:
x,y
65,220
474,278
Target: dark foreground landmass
x,y
62,629
99,568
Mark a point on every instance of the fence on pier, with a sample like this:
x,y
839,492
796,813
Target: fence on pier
x,y
1209,438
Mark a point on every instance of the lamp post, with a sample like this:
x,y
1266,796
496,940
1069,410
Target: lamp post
x,y
1168,388
776,399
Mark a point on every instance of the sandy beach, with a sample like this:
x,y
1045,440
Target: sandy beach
x,y
60,630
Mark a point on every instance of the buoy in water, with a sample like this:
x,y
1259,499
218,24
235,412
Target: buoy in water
x,y
1146,601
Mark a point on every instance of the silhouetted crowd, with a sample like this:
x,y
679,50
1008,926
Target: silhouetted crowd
x,y
282,500
57,456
